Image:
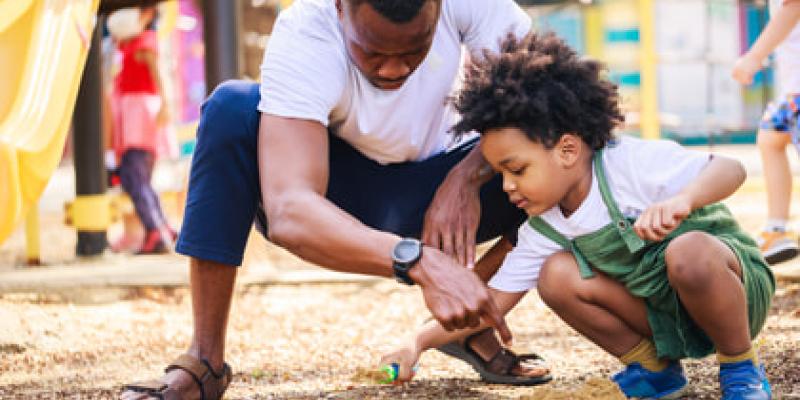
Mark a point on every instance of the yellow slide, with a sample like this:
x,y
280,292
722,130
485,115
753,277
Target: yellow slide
x,y
43,48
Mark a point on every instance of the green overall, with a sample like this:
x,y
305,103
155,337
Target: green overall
x,y
618,252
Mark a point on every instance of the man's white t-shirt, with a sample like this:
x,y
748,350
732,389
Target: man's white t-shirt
x,y
307,74
787,57
639,172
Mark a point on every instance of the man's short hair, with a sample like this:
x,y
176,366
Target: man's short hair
x,y
397,11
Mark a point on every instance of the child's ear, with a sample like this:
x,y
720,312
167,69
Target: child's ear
x,y
569,149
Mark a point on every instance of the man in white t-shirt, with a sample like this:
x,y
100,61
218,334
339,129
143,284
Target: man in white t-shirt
x,y
346,142
780,125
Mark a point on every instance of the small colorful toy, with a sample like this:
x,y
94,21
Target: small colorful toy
x,y
387,374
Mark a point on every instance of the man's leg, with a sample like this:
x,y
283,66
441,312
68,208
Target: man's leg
x,y
221,202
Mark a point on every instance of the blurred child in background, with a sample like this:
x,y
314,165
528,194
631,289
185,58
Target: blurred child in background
x,y
779,127
140,118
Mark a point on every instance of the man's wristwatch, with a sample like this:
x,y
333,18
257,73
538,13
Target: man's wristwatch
x,y
405,256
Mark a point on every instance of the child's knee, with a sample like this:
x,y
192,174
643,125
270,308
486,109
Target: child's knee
x,y
557,279
689,261
772,140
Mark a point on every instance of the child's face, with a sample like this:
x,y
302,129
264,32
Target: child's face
x,y
146,16
535,178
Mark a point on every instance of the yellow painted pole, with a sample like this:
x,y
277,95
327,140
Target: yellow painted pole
x,y
649,120
593,33
32,237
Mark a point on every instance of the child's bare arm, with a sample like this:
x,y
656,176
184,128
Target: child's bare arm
x,y
718,180
775,32
433,335
151,59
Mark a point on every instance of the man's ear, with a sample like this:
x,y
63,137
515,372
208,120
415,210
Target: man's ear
x,y
568,149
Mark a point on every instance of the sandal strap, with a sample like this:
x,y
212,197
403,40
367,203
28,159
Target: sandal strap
x,y
212,384
153,389
502,362
152,386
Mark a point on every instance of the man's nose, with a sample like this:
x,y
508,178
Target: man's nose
x,y
394,69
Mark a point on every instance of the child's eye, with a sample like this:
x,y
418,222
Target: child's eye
x,y
517,171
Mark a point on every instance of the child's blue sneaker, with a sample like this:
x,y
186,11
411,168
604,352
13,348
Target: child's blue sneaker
x,y
636,381
743,381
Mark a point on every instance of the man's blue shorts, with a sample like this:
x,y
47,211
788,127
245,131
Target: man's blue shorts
x,y
224,198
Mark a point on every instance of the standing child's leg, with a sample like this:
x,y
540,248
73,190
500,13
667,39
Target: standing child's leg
x,y
604,311
707,276
135,173
777,242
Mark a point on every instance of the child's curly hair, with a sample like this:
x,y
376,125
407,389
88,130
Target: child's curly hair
x,y
541,86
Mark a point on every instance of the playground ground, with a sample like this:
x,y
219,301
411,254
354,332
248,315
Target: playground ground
x,y
79,329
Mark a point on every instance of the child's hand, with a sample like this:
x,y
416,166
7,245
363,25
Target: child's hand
x,y
660,219
744,69
162,119
406,357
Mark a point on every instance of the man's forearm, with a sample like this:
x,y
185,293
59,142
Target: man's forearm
x,y
316,230
474,169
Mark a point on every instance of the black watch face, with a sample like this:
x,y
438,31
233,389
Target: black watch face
x,y
407,251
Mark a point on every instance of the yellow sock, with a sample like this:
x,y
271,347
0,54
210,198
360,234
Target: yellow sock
x,y
645,354
747,355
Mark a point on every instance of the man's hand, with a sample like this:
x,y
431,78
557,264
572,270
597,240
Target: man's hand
x,y
452,219
456,297
745,68
660,219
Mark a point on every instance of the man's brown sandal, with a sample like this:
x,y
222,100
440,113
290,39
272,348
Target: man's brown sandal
x,y
212,384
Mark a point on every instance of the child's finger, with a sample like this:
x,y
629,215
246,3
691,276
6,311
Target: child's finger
x,y
668,219
640,223
645,223
659,229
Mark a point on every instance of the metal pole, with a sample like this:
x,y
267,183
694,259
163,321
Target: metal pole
x,y
221,36
91,205
32,237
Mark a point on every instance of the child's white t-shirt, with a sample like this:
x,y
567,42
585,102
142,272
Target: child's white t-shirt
x,y
787,57
307,74
639,172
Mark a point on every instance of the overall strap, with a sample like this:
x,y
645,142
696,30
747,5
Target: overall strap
x,y
549,232
631,239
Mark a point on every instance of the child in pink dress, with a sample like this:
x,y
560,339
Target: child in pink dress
x,y
140,137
